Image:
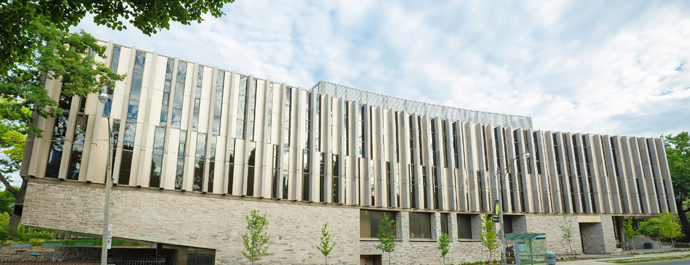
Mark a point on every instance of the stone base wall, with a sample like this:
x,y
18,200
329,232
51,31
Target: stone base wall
x,y
190,219
551,226
216,222
598,237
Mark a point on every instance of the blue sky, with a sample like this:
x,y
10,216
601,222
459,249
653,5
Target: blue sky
x,y
607,67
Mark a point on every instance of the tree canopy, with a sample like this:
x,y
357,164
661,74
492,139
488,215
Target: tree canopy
x,y
20,39
678,154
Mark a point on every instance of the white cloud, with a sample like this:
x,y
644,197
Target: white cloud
x,y
604,67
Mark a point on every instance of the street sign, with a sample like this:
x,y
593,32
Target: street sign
x,y
495,219
110,241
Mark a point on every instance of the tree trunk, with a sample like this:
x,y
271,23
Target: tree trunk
x,y
683,220
18,204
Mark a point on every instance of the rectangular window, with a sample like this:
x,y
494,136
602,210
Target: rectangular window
x,y
286,162
114,63
275,177
444,223
305,176
465,226
347,128
135,91
420,225
286,117
178,99
157,158
456,154
197,97
211,164
241,107
435,166
218,102
77,146
317,123
307,122
322,178
127,149
269,107
179,172
166,91
251,108
200,159
231,165
251,166
116,135
57,145
336,178
369,222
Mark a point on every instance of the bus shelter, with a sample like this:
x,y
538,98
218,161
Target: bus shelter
x,y
525,248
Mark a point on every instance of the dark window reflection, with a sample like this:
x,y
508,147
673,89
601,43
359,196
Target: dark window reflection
x,y
179,172
77,147
251,165
199,162
157,159
56,146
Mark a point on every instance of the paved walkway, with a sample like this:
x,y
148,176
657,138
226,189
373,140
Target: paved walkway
x,y
603,258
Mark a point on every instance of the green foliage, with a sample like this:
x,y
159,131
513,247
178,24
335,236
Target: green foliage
x,y
256,239
489,236
326,245
20,39
678,154
668,227
444,245
7,201
650,227
567,229
61,55
23,233
386,235
4,222
630,231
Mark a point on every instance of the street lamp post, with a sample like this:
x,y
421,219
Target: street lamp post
x,y
501,173
104,98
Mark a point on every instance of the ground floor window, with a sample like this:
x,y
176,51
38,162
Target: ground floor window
x,y
465,226
369,222
420,225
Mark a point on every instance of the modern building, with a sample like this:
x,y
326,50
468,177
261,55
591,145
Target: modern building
x,y
196,148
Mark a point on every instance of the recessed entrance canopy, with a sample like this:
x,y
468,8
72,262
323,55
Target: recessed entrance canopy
x,y
524,236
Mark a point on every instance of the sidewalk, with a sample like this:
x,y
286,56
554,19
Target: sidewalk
x,y
604,257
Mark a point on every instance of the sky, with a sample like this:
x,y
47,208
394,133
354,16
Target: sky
x,y
604,67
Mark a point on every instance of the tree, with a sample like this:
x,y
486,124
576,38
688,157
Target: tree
x,y
650,227
256,239
326,246
62,56
6,201
678,154
567,229
489,237
668,227
386,235
21,41
444,245
631,232
35,46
